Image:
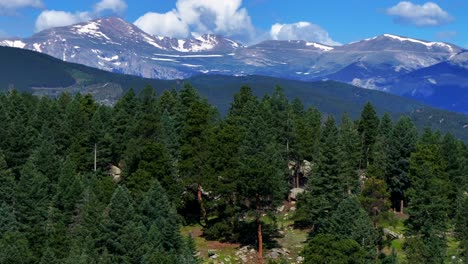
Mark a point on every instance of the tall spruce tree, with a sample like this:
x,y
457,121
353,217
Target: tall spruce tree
x,y
121,234
260,182
326,188
402,144
349,155
368,129
428,203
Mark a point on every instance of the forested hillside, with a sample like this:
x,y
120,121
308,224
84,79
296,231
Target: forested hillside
x,y
43,75
82,182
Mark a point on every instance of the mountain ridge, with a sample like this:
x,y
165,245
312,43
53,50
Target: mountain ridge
x,y
378,63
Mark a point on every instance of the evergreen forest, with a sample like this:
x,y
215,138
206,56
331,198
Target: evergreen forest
x,y
82,182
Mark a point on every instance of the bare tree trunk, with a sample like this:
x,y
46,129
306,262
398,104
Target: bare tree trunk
x,y
200,201
259,230
402,205
260,240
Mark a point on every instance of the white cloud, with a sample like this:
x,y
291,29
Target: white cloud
x,y
116,6
428,14
227,18
8,5
168,24
301,31
53,18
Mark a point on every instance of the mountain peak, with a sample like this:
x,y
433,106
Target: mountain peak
x,y
396,42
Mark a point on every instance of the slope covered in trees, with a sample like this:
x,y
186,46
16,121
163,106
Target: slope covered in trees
x,y
41,74
179,162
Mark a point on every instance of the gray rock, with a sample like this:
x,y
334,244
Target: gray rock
x,y
293,193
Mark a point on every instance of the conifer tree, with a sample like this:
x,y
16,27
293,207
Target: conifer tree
x,y
368,128
33,199
195,118
381,150
7,182
428,204
402,144
326,188
351,221
121,234
349,155
261,174
160,219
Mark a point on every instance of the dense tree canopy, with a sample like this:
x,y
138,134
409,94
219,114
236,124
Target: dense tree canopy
x,y
99,184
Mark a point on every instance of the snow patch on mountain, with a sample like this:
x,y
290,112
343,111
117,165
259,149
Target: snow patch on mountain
x,y
92,29
37,47
151,42
427,44
13,43
319,46
113,58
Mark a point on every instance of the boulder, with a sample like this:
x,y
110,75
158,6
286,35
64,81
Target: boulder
x,y
115,172
293,193
306,168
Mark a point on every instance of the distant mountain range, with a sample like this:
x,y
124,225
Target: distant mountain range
x,y
41,74
432,72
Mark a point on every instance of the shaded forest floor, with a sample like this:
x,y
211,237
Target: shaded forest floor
x,y
290,244
289,247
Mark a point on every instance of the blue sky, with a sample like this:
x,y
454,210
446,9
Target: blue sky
x,y
330,22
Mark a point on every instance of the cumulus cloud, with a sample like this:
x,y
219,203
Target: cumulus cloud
x,y
428,14
301,31
116,6
227,18
55,18
168,24
17,4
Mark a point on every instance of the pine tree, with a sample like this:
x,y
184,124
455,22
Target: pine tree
x,y
305,137
402,144
352,222
69,190
123,115
428,204
13,243
33,199
261,174
195,118
461,225
368,128
349,155
374,198
7,182
101,136
121,234
147,119
381,150
158,214
325,248
326,188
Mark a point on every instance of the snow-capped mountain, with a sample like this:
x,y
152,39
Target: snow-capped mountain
x,y
112,44
115,45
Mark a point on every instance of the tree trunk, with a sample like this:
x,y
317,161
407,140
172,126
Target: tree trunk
x,y
402,205
260,240
259,229
200,201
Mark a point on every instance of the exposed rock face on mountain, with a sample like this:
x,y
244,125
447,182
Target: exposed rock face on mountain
x,y
391,63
